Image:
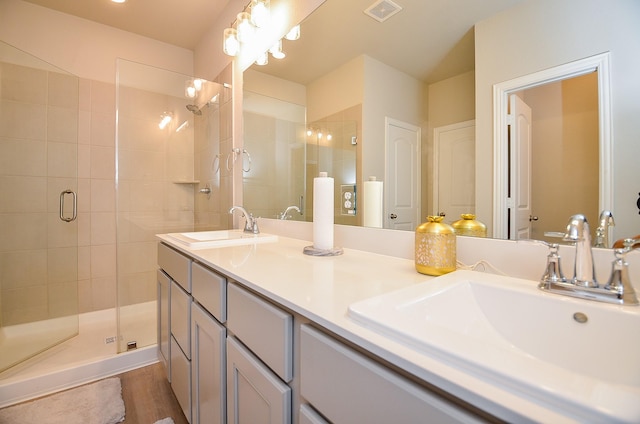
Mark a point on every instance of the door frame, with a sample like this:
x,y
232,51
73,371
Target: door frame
x,y
599,63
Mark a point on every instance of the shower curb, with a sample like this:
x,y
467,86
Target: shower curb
x,y
38,386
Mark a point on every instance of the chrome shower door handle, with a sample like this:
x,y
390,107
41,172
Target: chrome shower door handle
x,y
74,213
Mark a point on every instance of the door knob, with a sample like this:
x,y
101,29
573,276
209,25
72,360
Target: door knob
x,y
393,216
442,214
533,218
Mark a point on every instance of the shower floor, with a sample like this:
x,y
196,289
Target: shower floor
x,y
90,355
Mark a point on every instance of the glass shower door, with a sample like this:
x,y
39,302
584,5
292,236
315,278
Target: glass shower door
x,y
38,205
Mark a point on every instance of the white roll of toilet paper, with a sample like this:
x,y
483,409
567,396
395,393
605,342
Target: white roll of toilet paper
x,y
373,203
323,212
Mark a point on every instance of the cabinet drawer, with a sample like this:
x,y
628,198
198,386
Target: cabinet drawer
x,y
181,318
331,372
264,328
176,265
209,289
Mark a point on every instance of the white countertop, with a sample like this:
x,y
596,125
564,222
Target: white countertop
x,y
322,288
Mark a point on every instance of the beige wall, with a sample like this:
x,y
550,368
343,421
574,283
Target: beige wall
x,y
564,148
539,34
448,102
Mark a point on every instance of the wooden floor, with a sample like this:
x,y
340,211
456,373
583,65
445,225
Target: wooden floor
x,y
148,397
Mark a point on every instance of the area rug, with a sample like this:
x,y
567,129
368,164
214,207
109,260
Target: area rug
x,y
96,403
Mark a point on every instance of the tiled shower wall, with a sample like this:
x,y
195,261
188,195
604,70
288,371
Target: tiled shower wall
x,y
38,132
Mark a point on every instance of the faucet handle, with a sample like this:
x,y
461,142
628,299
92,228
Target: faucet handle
x,y
553,271
619,281
252,224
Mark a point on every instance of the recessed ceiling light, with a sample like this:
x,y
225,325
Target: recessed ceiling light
x,y
119,1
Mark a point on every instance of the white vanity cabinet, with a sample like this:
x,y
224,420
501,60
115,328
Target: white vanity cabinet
x,y
345,386
259,359
238,356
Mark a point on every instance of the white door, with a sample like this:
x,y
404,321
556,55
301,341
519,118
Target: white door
x,y
519,202
454,170
403,175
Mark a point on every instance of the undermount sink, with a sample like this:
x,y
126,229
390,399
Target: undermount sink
x,y
221,238
580,356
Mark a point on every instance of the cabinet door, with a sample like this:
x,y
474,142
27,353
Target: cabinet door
x,y
309,416
347,387
208,378
255,395
181,378
164,285
181,318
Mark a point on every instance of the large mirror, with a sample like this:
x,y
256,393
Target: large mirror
x,y
410,102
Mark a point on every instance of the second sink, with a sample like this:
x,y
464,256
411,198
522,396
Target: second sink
x,y
505,331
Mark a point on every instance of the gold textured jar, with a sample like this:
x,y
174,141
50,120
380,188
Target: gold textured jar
x,y
435,247
468,226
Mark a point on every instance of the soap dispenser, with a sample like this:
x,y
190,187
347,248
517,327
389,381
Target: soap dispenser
x,y
435,247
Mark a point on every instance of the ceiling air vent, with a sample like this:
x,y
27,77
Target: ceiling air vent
x,y
382,10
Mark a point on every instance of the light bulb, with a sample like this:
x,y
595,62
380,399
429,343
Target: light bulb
x,y
276,50
231,45
245,28
329,137
190,91
263,59
309,133
197,83
260,14
294,33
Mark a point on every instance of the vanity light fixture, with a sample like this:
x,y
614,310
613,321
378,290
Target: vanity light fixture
x,y
293,34
192,87
260,13
166,118
246,29
276,50
231,44
254,17
263,59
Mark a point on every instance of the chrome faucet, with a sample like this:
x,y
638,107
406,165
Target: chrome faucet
x,y
602,232
584,274
251,223
285,215
618,290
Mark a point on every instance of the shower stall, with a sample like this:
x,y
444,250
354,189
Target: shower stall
x,y
38,206
90,171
